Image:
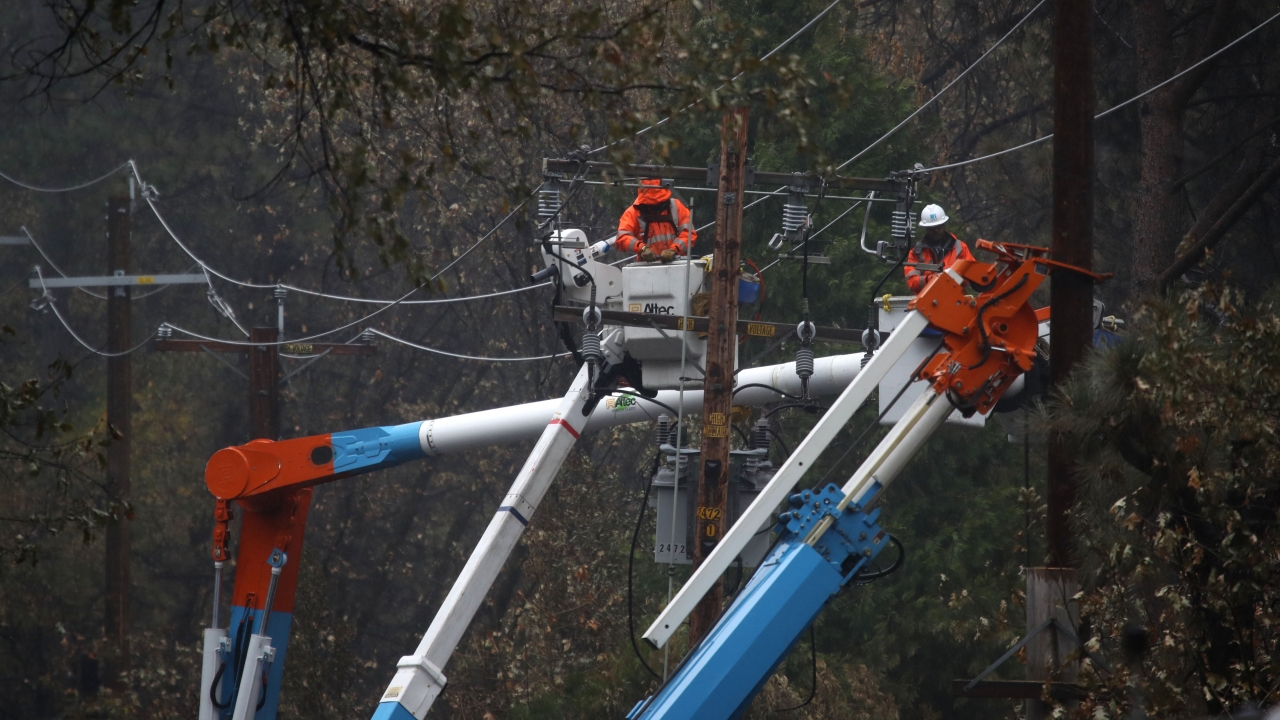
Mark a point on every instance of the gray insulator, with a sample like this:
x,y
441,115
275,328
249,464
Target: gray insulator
x,y
760,435
794,217
591,350
664,430
804,362
899,224
548,202
280,293
675,436
165,331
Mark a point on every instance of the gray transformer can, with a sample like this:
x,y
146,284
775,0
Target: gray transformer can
x,y
749,471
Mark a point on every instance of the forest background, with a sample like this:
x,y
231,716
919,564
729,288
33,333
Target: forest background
x,y
361,150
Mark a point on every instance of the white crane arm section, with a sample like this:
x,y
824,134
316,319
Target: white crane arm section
x,y
766,503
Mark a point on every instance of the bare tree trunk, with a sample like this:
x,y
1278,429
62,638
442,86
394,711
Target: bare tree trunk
x,y
1156,223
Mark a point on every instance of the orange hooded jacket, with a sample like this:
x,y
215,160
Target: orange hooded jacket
x,y
954,250
655,220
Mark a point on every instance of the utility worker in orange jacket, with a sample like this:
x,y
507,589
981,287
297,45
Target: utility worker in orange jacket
x,y
937,247
657,226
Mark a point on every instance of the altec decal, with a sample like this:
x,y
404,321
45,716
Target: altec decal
x,y
618,404
657,309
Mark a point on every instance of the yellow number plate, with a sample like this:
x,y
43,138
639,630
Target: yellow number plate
x,y
715,431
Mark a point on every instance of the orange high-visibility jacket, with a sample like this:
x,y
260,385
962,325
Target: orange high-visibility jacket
x,y
656,220
954,250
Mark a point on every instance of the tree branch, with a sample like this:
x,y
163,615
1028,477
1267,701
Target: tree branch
x,y
1196,244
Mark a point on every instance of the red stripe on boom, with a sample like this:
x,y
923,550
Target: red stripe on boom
x,y
561,422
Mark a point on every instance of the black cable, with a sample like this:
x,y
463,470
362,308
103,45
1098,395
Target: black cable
x,y
804,270
746,440
546,247
737,585
863,578
813,657
788,406
982,330
241,650
625,391
894,401
781,442
873,321
766,387
631,561
213,689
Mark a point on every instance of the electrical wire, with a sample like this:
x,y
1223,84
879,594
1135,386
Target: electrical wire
x,y
876,423
631,561
826,227
54,265
86,291
416,346
149,195
1105,113
934,99
695,103
634,394
52,305
439,301
80,186
766,387
811,407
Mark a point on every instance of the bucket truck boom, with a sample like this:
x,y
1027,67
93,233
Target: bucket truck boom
x,y
827,536
272,481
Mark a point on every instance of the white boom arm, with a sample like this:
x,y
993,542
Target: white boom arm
x,y
519,423
761,511
419,679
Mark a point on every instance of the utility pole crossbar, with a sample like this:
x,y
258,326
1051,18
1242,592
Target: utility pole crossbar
x,y
117,281
749,328
573,168
308,348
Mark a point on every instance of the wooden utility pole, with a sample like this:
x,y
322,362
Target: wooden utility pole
x,y
119,424
264,385
264,369
1071,294
722,346
1050,589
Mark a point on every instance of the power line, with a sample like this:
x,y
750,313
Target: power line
x,y
1105,113
58,270
80,186
691,105
436,351
148,196
54,265
933,99
439,301
48,301
839,217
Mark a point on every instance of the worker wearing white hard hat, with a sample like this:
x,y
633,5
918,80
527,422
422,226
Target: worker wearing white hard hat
x,y
937,248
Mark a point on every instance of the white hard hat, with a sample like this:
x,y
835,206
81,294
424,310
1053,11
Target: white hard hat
x,y
932,215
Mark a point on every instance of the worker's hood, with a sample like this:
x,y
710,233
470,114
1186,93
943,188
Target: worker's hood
x,y
652,195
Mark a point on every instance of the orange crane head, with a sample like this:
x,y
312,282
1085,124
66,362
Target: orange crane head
x,y
989,339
